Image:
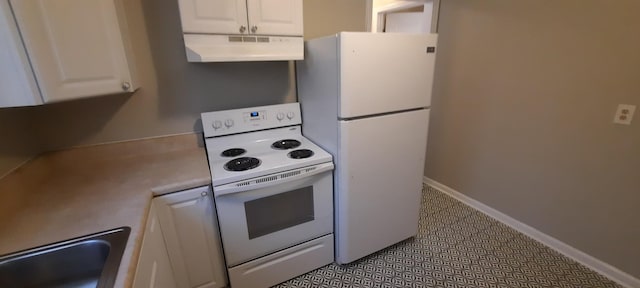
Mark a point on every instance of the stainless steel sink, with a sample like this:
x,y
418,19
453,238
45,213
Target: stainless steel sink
x,y
88,261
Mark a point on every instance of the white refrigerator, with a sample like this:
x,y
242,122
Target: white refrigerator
x,y
365,98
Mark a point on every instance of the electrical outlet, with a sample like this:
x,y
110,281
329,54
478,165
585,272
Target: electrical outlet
x,y
624,114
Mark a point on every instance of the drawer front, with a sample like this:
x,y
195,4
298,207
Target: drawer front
x,y
283,265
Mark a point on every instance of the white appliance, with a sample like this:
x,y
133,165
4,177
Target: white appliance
x,y
365,99
273,193
236,48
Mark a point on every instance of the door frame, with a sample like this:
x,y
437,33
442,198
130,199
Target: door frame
x,y
375,14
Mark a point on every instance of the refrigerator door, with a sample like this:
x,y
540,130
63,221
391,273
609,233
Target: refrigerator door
x,y
385,72
378,182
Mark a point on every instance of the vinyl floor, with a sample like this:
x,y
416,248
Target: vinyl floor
x,y
457,246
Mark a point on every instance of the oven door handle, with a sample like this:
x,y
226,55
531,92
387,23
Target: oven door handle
x,y
271,180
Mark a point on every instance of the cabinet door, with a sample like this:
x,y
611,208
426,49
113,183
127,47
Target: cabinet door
x,y
75,47
17,84
190,229
213,16
154,268
275,17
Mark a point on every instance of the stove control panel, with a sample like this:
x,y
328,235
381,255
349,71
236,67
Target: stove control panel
x,y
219,123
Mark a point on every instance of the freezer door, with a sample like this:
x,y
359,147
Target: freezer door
x,y
385,72
379,181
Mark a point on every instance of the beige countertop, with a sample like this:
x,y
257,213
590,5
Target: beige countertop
x,y
71,193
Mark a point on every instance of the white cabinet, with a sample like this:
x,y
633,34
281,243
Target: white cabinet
x,y
260,17
213,16
17,85
190,229
275,17
61,50
242,30
154,268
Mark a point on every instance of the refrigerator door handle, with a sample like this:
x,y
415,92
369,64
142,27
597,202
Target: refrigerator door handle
x,y
381,114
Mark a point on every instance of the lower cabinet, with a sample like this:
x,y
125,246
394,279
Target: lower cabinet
x,y
190,228
181,246
154,268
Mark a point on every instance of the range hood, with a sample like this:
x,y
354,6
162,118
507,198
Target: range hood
x,y
230,48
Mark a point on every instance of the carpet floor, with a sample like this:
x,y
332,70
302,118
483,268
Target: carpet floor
x,y
457,246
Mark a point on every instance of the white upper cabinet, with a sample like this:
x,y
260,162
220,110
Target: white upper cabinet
x,y
18,86
260,17
275,17
76,48
242,30
213,16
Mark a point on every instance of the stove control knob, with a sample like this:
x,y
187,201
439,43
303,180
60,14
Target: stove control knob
x,y
216,124
228,123
280,116
290,115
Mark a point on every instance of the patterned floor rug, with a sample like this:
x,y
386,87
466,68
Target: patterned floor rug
x,y
457,246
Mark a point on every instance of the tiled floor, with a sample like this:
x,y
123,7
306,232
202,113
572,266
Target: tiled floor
x,y
457,246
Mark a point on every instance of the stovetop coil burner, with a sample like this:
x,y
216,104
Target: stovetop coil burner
x,y
285,144
300,154
242,164
233,152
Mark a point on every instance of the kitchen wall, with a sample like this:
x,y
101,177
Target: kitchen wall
x,y
524,97
326,17
175,92
17,141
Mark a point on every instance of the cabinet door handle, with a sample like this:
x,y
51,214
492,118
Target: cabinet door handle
x,y
242,29
254,29
126,86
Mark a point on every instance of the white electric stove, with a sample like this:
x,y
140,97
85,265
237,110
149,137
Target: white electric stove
x,y
294,151
273,191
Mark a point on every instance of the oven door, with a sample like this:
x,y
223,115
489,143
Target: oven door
x,y
266,214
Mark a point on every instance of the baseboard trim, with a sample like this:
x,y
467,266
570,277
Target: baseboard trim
x,y
585,259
